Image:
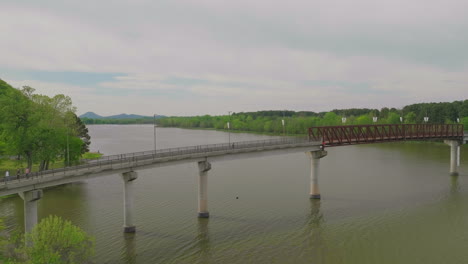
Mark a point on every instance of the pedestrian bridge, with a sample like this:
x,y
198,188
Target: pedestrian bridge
x,y
30,187
146,159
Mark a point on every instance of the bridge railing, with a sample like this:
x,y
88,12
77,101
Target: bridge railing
x,y
162,153
359,134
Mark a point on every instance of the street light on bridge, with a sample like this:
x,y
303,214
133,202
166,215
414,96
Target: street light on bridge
x,y
282,122
426,118
154,129
229,127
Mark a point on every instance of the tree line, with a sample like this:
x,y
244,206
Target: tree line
x,y
299,122
40,129
126,121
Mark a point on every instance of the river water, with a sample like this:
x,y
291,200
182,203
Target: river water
x,y
381,203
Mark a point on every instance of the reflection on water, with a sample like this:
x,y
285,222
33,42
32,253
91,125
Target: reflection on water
x,y
315,244
203,241
454,186
129,254
382,203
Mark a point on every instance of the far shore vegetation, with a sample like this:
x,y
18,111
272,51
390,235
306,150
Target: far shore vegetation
x,y
297,123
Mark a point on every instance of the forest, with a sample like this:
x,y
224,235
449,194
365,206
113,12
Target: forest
x,y
299,122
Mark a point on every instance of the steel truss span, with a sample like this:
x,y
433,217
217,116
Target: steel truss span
x,y
363,134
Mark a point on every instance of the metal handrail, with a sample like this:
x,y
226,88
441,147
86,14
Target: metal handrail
x,y
162,153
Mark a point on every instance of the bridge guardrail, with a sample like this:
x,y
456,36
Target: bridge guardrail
x,y
162,153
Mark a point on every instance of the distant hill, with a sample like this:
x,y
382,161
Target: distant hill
x,y
92,115
126,116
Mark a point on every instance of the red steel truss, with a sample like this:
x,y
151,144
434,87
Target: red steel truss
x,y
362,134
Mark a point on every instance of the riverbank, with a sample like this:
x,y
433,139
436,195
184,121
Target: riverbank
x,y
12,165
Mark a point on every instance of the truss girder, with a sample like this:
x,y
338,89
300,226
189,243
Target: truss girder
x,y
362,134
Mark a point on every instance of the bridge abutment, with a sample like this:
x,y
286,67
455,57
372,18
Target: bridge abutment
x,y
128,178
315,157
203,168
454,155
30,208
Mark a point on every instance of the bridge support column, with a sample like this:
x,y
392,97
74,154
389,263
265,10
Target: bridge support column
x,y
30,208
128,178
315,157
203,168
454,145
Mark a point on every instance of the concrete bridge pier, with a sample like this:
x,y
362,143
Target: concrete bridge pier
x,y
454,145
203,168
128,178
315,157
30,208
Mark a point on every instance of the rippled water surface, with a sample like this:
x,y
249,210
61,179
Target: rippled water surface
x,y
382,203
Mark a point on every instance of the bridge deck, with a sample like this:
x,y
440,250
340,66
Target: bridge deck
x,y
329,136
126,162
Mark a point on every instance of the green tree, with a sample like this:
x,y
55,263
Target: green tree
x,y
410,118
39,128
3,242
331,119
16,121
393,118
464,121
364,120
82,132
54,241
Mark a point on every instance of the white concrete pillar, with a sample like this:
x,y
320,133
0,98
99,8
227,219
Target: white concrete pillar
x,y
30,208
315,157
128,177
454,144
203,168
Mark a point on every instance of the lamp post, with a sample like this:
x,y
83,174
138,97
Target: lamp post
x,y
229,127
426,117
154,131
68,143
68,150
282,122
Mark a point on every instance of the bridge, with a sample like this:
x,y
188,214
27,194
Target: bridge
x,y
30,187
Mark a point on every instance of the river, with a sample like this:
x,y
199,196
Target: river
x,y
381,203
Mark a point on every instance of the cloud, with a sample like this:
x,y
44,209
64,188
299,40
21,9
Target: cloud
x,y
195,57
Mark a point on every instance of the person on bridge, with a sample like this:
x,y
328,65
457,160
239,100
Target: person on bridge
x,y
27,173
7,175
18,172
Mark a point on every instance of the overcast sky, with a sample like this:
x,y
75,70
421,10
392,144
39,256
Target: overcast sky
x,y
193,57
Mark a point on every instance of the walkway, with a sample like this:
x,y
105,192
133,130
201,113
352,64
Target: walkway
x,y
125,162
